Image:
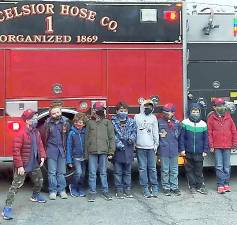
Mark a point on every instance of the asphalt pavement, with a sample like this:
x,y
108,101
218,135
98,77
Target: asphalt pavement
x,y
194,209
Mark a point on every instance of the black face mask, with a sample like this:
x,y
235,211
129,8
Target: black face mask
x,y
148,111
100,113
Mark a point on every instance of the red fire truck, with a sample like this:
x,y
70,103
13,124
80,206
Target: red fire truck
x,y
80,52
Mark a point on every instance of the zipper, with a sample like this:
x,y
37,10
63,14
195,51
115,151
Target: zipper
x,y
194,137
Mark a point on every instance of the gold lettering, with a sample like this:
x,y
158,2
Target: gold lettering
x,y
64,10
15,12
74,11
91,15
8,14
32,9
83,13
3,38
40,8
25,10
2,18
49,9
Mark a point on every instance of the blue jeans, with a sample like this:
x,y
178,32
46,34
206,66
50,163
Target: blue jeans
x,y
122,176
79,174
96,161
169,172
56,171
222,157
147,167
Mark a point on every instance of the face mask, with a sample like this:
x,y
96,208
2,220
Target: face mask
x,y
221,110
195,117
122,116
34,123
100,113
148,111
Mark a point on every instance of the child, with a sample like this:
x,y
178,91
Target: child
x,y
169,128
146,145
125,137
56,128
222,137
75,154
194,145
99,147
28,156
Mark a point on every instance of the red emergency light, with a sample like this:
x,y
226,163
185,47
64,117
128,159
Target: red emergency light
x,y
170,15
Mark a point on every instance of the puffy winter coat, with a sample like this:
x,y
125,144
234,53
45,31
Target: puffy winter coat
x,y
22,147
193,137
221,131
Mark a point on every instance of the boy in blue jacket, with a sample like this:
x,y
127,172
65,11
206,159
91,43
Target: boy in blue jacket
x,y
194,145
75,154
125,137
169,130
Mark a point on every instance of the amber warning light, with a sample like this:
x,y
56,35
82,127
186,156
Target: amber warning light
x,y
170,15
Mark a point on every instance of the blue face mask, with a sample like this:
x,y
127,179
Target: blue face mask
x,y
122,116
34,123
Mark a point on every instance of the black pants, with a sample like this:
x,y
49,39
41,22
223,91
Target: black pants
x,y
194,168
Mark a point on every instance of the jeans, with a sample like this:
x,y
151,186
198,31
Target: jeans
x,y
194,168
222,157
147,168
96,161
79,174
122,176
169,172
56,171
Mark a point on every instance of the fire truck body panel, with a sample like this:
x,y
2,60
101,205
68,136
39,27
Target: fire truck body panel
x,y
108,52
212,62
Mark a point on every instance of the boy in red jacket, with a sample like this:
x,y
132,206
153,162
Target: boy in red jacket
x,y
222,138
28,156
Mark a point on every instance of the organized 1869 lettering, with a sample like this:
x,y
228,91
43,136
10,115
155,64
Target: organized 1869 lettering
x,y
87,39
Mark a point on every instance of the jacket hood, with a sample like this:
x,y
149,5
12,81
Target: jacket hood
x,y
195,106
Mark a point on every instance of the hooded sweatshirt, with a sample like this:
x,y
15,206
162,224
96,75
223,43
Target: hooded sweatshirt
x,y
147,130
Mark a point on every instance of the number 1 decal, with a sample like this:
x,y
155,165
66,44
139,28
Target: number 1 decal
x,y
49,25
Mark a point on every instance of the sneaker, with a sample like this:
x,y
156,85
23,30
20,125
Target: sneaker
x,y
128,194
221,190
155,193
176,192
167,192
107,196
91,197
146,193
52,196
227,188
73,191
119,195
192,190
82,193
202,190
37,197
7,213
63,195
